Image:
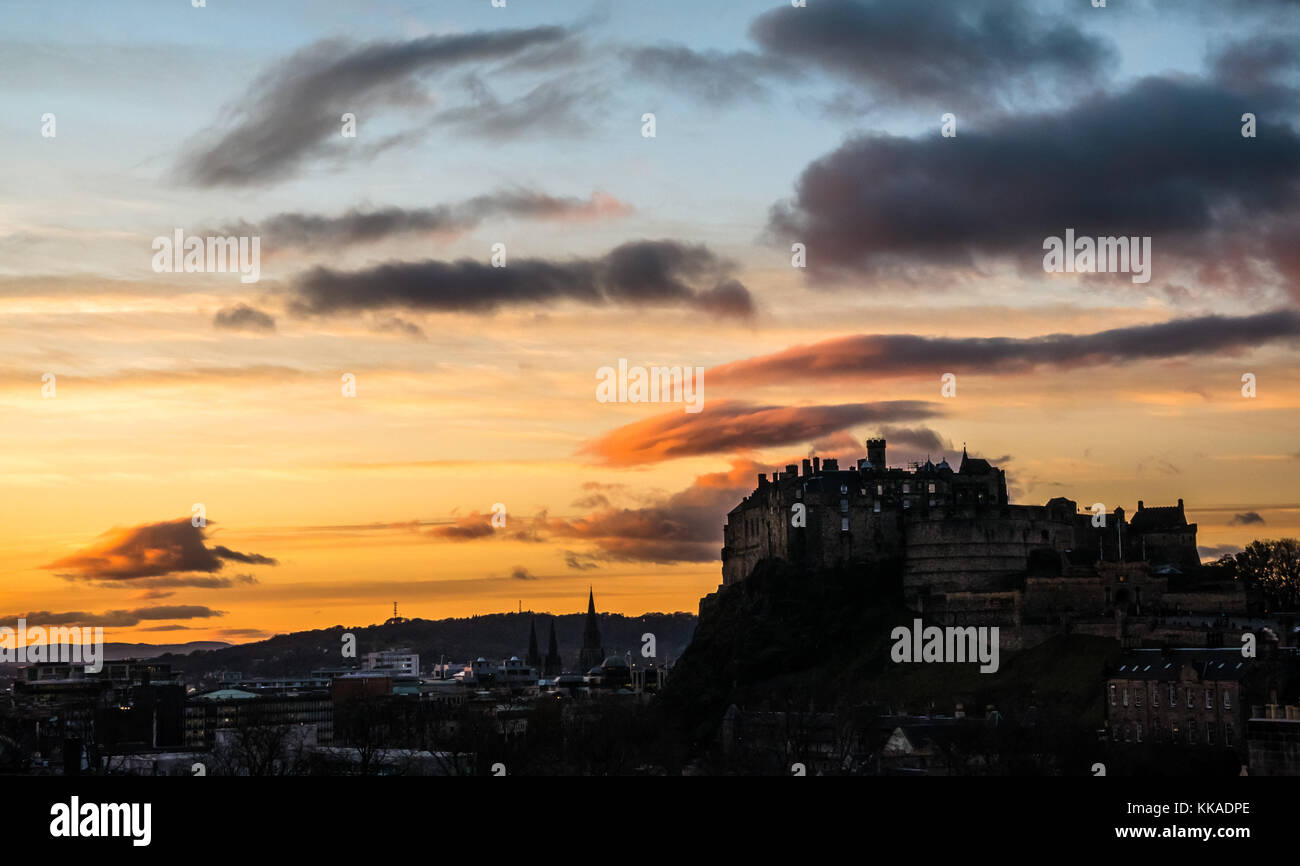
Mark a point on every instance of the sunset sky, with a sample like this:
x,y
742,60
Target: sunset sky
x,y
475,385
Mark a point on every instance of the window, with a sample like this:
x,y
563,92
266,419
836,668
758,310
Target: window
x,y
1227,734
1172,700
844,488
907,487
1137,695
931,486
844,506
1139,732
1190,702
1191,731
1112,694
907,503
880,490
1126,697
1209,699
844,524
1209,735
877,508
1227,699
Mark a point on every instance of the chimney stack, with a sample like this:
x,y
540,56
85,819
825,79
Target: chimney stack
x,y
807,467
817,467
876,453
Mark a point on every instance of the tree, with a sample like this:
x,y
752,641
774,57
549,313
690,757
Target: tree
x,y
1273,567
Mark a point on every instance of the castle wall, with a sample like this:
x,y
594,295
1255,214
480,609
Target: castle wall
x,y
1229,598
954,550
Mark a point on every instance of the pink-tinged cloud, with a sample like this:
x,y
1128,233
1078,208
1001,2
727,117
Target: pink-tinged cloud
x,y
730,425
683,527
152,550
896,355
476,526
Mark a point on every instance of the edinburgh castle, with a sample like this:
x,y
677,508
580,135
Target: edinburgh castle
x,y
967,556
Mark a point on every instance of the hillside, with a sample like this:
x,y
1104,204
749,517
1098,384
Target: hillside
x,y
786,637
493,636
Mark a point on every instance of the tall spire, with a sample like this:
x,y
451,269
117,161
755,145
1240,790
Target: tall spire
x,y
592,652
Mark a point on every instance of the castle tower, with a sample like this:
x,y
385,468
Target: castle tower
x,y
553,667
592,653
534,657
876,453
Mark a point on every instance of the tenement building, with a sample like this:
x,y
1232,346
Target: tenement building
x,y
967,555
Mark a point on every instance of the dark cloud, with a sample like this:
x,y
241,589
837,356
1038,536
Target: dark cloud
x,y
476,525
728,425
717,77
119,617
916,439
875,355
639,273
242,632
157,584
357,226
1187,178
551,107
1256,63
244,318
957,56
398,325
1246,519
521,573
683,527
293,109
580,561
1215,551
151,550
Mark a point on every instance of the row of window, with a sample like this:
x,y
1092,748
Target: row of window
x,y
1139,693
1135,731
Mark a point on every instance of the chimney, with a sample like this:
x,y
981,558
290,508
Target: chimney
x,y
831,465
1139,505
807,467
817,467
791,470
762,478
876,452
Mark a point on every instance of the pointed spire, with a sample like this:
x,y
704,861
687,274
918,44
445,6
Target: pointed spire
x,y
534,658
592,652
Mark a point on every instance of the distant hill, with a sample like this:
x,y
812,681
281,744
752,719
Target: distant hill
x,y
118,651
492,636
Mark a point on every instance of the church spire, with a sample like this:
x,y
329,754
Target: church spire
x,y
592,652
